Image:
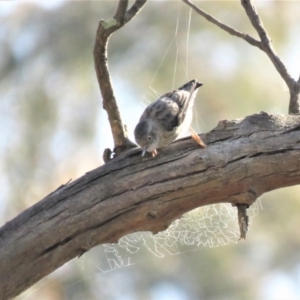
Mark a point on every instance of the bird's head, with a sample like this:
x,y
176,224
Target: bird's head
x,y
146,136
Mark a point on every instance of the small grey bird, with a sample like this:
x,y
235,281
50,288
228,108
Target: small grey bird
x,y
164,120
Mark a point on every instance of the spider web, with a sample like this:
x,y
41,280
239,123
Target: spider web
x,y
210,226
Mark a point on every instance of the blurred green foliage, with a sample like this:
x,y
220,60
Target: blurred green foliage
x,y
53,128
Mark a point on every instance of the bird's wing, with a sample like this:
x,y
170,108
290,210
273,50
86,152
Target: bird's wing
x,y
170,109
182,99
164,110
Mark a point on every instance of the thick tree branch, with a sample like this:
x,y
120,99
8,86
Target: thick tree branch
x,y
105,29
244,159
223,26
264,44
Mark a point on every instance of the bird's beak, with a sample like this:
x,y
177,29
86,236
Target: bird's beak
x,y
144,151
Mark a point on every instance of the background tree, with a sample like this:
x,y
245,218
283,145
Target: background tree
x,y
35,142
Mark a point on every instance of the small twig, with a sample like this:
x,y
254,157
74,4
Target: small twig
x,y
223,26
243,219
134,10
264,44
294,87
121,11
256,21
267,42
105,29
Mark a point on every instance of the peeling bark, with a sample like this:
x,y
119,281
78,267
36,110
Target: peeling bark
x,y
244,159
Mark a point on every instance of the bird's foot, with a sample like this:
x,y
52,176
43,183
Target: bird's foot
x,y
154,153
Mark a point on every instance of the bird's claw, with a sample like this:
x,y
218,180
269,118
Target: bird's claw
x,y
154,153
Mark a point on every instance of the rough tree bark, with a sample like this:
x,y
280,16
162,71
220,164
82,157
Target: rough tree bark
x,y
244,159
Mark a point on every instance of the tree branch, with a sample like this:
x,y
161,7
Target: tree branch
x,y
131,193
121,11
243,219
294,87
223,26
264,44
267,42
134,10
105,29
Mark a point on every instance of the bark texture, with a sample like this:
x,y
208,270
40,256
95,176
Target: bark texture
x,y
244,159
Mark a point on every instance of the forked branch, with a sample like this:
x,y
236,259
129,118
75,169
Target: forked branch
x,y
264,44
251,40
105,29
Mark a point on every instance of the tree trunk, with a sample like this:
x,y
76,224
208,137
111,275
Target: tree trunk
x,y
244,159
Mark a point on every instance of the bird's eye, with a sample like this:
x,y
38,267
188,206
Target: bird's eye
x,y
149,137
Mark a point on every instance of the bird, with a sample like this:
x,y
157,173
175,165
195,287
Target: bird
x,y
164,120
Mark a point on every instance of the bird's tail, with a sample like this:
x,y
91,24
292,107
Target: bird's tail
x,y
191,86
